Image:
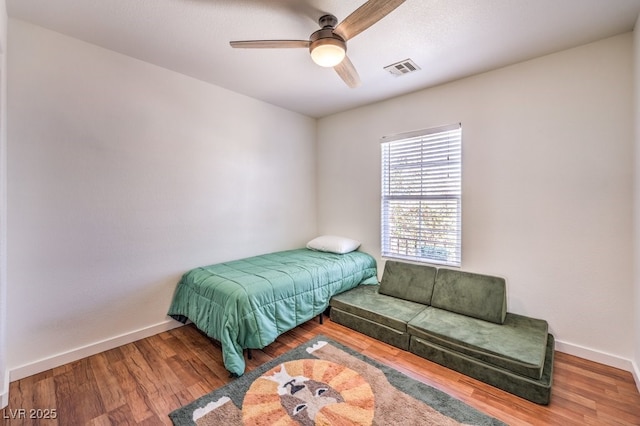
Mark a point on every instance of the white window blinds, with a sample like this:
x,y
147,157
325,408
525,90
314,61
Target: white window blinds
x,y
422,195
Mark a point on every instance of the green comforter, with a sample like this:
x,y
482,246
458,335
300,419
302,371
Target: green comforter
x,y
248,303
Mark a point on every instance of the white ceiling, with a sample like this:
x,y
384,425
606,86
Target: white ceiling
x,y
448,39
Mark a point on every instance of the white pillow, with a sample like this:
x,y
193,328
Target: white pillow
x,y
333,244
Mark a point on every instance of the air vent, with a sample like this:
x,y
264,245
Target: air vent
x,y
403,67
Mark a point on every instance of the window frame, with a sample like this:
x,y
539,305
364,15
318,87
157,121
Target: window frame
x,y
420,189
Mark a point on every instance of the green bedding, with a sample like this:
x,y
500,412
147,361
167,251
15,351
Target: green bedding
x,y
248,303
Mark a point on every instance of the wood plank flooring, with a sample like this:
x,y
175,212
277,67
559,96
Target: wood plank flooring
x,y
140,383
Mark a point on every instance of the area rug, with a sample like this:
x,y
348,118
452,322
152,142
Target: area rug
x,y
325,383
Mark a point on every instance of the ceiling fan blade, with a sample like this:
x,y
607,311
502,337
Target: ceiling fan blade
x,y
348,73
268,44
365,16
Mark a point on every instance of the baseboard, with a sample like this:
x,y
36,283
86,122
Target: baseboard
x,y
4,395
57,360
636,375
88,350
596,356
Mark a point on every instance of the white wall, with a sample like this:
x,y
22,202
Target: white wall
x,y
122,176
636,194
547,185
4,374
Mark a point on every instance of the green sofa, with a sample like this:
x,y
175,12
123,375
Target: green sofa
x,y
457,319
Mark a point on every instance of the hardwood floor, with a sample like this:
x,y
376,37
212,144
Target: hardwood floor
x,y
140,383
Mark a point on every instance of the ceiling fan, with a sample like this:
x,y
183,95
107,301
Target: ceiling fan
x,y
328,45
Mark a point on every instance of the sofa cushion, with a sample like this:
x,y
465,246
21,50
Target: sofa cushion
x,y
474,295
408,281
535,390
391,336
518,345
365,301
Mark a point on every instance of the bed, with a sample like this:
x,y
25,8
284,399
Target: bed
x,y
248,303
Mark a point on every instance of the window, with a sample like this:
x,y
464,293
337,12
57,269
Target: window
x,y
422,195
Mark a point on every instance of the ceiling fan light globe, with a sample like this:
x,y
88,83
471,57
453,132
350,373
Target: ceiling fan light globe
x,y
327,53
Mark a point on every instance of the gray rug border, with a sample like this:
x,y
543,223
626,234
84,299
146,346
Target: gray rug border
x,y
437,399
